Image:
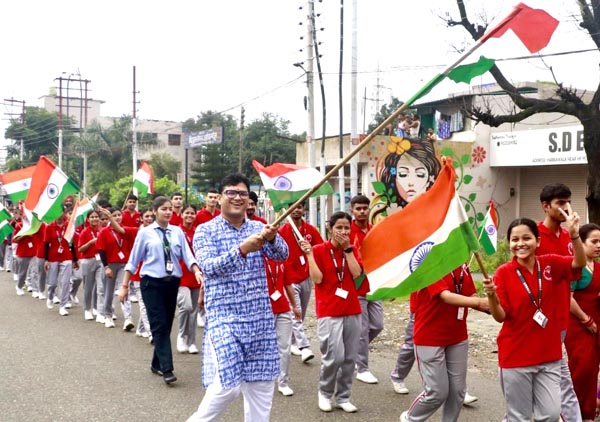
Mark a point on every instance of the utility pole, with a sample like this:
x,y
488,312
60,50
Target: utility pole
x,y
60,123
354,102
133,127
241,139
12,102
310,133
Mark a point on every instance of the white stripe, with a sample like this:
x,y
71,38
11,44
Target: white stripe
x,y
393,272
143,177
45,202
17,186
302,179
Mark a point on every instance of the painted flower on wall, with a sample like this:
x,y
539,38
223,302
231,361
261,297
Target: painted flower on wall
x,y
478,155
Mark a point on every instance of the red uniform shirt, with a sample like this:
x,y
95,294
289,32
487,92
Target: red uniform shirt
x,y
296,266
115,246
176,219
258,218
26,247
329,304
86,235
436,322
131,220
40,243
274,270
188,279
203,216
559,245
522,341
357,235
59,249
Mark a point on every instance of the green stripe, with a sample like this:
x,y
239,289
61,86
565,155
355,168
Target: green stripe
x,y
33,229
4,214
441,260
5,230
56,210
283,199
486,244
18,196
141,187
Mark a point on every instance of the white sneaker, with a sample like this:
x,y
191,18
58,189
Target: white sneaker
x,y
29,289
128,325
20,292
295,351
324,403
87,315
347,407
35,295
108,323
100,319
49,304
55,300
114,317
181,346
192,350
41,296
68,305
63,311
286,391
74,299
307,355
469,399
133,299
400,387
404,416
145,334
201,321
367,377
94,311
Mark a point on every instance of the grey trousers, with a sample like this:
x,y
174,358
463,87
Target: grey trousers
x,y
187,304
38,275
302,292
92,274
59,275
22,264
444,374
569,404
110,285
371,326
283,328
532,392
143,322
406,355
338,341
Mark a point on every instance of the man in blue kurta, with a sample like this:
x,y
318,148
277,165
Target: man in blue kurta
x,y
240,344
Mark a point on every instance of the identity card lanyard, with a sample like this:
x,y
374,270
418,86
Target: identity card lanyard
x,y
273,277
538,316
119,241
166,250
340,292
460,315
59,237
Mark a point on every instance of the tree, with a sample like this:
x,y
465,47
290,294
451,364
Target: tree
x,y
385,111
164,165
566,100
122,187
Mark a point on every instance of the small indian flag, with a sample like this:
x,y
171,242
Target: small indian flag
x,y
78,215
286,183
16,183
5,227
31,225
143,182
49,187
420,244
488,234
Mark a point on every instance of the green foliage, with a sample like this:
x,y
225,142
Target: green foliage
x,y
122,187
385,111
164,165
492,262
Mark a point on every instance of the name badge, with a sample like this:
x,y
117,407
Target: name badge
x,y
460,314
60,249
302,260
275,296
540,318
30,245
121,255
341,293
169,266
97,256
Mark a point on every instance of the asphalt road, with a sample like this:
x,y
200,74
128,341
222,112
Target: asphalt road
x,y
55,368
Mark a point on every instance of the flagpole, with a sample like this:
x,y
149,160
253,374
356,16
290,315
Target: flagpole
x,y
372,135
128,192
481,266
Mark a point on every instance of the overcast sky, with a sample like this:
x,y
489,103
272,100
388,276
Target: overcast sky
x,y
195,56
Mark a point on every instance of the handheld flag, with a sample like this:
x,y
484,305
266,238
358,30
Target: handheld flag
x,y
49,187
286,183
143,182
488,234
31,225
421,243
78,215
5,227
16,183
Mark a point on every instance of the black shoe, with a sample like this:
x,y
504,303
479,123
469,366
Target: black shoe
x,y
156,371
169,377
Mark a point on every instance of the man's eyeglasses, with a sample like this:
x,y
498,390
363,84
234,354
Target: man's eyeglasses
x,y
232,193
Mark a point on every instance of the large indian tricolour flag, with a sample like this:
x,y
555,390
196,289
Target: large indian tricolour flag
x,y
16,183
286,183
5,227
418,245
143,182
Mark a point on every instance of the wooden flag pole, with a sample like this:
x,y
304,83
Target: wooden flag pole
x,y
481,266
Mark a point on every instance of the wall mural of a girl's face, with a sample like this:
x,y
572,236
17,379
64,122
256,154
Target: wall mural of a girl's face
x,y
407,169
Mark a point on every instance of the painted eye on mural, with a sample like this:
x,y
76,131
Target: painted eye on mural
x,y
283,183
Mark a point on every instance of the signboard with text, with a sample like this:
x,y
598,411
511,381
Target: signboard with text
x,y
205,137
538,147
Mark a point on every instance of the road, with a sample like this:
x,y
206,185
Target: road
x,y
56,368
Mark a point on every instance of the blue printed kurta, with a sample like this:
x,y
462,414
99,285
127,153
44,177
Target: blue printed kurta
x,y
239,319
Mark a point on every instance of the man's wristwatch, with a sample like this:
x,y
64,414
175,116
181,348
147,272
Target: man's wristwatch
x,y
349,249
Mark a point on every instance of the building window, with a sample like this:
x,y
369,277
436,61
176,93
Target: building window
x,y
174,139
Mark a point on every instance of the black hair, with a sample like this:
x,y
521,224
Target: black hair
x,y
233,180
174,194
338,216
554,191
132,196
159,201
586,229
523,222
186,206
359,199
113,209
94,211
212,190
253,197
145,210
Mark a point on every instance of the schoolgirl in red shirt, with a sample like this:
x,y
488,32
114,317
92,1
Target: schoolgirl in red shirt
x,y
92,271
526,297
335,269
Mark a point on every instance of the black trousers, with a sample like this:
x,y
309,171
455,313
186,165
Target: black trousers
x,y
160,298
